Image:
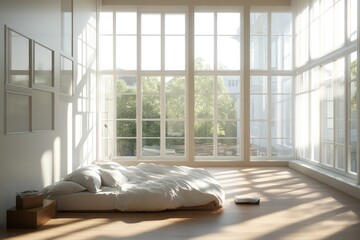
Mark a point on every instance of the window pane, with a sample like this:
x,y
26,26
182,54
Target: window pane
x,y
175,24
126,52
228,129
228,23
175,129
175,53
281,147
281,84
204,147
204,23
258,23
150,53
126,129
281,23
126,147
175,106
204,53
175,84
258,129
175,146
106,23
228,147
126,22
204,106
281,52
151,147
258,52
281,116
228,53
151,106
352,115
151,24
126,97
258,84
353,19
203,128
106,53
151,128
258,147
228,84
228,106
258,107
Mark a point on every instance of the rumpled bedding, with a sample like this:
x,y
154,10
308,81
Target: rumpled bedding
x,y
155,187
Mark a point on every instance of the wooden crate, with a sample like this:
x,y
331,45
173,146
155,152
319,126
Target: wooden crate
x,y
33,217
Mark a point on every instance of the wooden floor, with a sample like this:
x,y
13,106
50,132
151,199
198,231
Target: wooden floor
x,y
293,206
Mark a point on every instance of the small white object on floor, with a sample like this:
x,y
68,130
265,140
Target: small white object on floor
x,y
246,199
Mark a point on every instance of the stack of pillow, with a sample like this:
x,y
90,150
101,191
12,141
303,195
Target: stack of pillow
x,y
90,178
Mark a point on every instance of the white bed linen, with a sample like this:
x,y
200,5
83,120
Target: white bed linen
x,y
150,187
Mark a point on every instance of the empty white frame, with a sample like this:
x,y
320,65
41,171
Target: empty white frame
x,y
43,65
42,110
66,76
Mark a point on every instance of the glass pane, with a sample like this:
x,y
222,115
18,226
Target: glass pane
x,y
106,53
126,147
175,84
327,154
281,147
43,66
42,110
228,147
281,23
281,52
126,106
175,106
258,147
340,156
175,53
151,106
151,147
17,113
204,147
151,85
281,84
126,52
151,24
106,23
228,129
228,106
204,106
281,116
228,53
258,129
203,128
151,128
228,23
19,55
258,52
175,24
150,53
175,146
204,23
339,23
204,53
126,128
258,23
228,84
353,19
204,84
258,84
66,76
175,128
258,107
126,22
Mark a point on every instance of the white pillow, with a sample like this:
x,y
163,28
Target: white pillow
x,y
65,187
88,177
112,178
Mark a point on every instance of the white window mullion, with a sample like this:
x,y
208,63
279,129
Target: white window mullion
x,y
138,91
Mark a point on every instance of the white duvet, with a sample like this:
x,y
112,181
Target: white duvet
x,y
149,187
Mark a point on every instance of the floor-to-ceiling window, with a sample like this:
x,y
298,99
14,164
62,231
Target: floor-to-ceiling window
x,y
271,83
171,83
326,109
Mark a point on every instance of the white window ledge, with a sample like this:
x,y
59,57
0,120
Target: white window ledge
x,y
335,180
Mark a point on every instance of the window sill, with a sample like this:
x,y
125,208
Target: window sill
x,y
335,180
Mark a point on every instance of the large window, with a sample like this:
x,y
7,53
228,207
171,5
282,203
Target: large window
x,y
217,83
172,83
326,89
271,84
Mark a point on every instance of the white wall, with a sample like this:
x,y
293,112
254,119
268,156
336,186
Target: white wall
x,y
34,160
